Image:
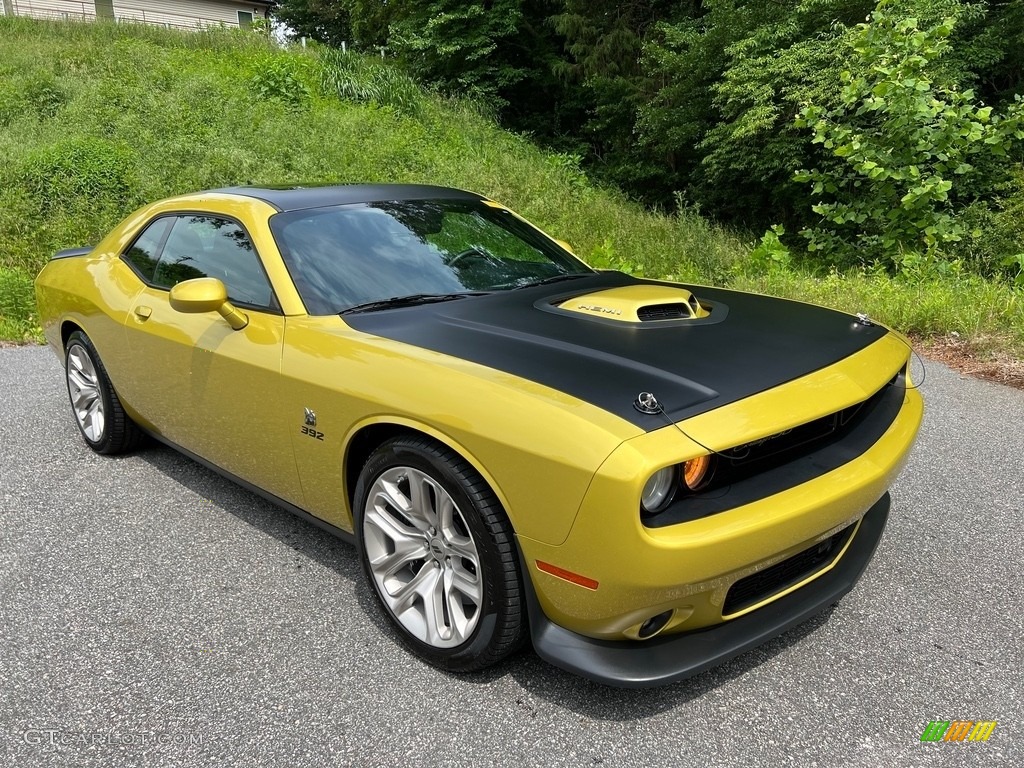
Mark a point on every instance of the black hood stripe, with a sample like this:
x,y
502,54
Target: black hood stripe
x,y
758,344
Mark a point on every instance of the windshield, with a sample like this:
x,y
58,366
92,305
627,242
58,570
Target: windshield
x,y
343,256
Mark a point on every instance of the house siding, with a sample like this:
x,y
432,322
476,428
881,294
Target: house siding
x,y
185,14
54,9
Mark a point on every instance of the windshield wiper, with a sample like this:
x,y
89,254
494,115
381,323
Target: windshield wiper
x,y
554,279
408,301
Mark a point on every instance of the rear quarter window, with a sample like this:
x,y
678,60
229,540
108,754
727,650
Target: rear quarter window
x,y
144,253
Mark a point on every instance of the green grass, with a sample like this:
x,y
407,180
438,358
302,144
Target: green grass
x,y
988,315
98,119
17,305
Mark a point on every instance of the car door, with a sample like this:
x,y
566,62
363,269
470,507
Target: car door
x,y
202,385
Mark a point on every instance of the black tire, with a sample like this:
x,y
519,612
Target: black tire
x,y
498,624
114,432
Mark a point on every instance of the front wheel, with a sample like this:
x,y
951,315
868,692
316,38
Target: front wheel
x,y
104,425
437,549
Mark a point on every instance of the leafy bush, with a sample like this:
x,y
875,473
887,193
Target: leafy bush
x,y
771,253
994,232
907,142
44,95
38,95
280,78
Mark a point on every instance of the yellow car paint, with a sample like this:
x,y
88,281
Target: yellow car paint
x,y
568,474
624,303
691,566
511,430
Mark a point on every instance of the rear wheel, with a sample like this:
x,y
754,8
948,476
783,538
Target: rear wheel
x,y
437,549
104,425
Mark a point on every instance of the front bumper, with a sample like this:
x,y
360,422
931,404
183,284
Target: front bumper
x,y
690,568
670,658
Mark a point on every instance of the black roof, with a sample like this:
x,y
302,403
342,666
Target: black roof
x,y
296,197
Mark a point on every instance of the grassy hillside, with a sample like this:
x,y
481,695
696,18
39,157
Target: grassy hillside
x,y
98,119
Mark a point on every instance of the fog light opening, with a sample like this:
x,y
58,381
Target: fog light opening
x,y
654,625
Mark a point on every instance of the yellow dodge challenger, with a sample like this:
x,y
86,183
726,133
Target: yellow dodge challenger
x,y
643,478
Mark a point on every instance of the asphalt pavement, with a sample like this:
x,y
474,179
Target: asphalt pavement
x,y
153,613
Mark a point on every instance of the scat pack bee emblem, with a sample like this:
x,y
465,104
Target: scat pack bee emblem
x,y
309,427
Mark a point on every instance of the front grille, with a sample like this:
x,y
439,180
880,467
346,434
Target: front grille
x,y
663,312
759,469
763,584
785,443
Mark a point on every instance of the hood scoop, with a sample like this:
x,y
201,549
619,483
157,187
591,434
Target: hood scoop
x,y
639,304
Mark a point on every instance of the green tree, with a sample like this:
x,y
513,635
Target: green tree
x,y
371,21
691,100
462,48
987,47
907,142
727,83
322,20
602,63
500,53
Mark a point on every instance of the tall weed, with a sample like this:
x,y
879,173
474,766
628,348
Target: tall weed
x,y
365,80
77,172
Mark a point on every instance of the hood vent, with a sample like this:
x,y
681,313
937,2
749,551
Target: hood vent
x,y
663,312
644,303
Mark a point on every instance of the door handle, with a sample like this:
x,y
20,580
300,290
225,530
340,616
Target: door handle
x,y
143,312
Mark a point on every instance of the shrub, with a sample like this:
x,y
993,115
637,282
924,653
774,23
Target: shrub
x,y
44,95
993,243
771,253
907,143
281,78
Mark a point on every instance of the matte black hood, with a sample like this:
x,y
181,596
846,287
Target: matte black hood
x,y
747,344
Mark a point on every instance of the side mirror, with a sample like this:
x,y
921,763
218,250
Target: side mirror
x,y
565,245
206,294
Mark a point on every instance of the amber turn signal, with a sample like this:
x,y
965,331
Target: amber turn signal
x,y
696,472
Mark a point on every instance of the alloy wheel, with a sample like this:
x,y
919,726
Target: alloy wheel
x,y
422,557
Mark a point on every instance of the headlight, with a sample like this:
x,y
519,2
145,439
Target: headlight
x,y
659,490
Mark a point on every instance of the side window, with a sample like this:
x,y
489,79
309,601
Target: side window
x,y
207,246
146,248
